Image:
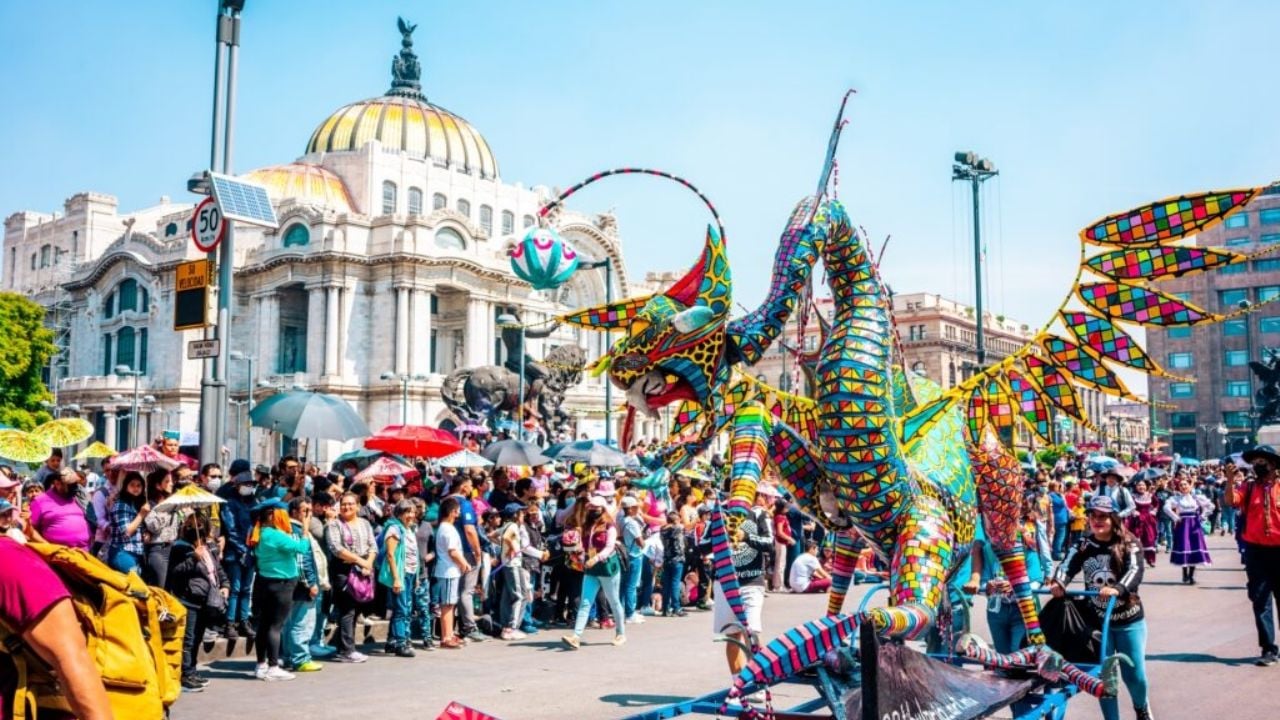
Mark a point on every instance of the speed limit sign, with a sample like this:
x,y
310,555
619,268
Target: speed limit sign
x,y
207,225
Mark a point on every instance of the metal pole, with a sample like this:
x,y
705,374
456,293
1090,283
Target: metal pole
x,y
977,274
226,252
608,340
133,414
520,392
1248,371
208,419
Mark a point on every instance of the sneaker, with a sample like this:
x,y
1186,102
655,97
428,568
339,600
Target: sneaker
x,y
647,612
1143,713
322,652
229,632
275,673
308,666
246,629
593,624
509,634
680,613
607,624
200,678
190,684
354,657
260,672
1268,659
635,619
476,636
405,651
210,636
572,641
529,629
619,640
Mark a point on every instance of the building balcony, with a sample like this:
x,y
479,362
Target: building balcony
x,y
98,384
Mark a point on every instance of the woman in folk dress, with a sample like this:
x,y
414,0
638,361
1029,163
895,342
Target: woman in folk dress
x,y
1187,510
1143,522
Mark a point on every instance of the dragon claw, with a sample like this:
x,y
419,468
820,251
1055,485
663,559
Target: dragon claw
x,y
1049,664
1110,673
969,641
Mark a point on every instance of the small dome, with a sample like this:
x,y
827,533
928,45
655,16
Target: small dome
x,y
403,120
410,124
306,183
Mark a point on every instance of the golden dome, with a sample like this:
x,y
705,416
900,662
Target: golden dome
x,y
410,124
305,182
403,120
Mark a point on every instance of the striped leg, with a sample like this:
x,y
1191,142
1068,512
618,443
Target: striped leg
x,y
842,568
1046,663
1014,564
747,449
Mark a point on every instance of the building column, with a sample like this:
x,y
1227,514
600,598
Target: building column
x,y
109,428
478,333
402,330
268,343
420,336
315,330
332,329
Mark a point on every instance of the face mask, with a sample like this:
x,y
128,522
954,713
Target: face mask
x,y
246,491
214,484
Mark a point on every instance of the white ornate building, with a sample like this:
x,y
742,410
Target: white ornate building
x,y
390,257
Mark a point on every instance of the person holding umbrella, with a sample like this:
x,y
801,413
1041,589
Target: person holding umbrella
x,y
197,579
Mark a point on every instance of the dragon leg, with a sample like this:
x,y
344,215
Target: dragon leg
x,y
1014,564
747,449
1046,663
842,569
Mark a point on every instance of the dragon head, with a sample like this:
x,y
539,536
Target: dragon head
x,y
675,340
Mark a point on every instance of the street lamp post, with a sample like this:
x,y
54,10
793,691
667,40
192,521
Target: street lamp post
x,y
239,426
404,392
133,412
976,170
607,264
1248,354
249,384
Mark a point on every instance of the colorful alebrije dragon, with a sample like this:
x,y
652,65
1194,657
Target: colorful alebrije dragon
x,y
877,451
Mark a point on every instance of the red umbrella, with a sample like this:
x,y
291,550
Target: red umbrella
x,y
414,441
385,467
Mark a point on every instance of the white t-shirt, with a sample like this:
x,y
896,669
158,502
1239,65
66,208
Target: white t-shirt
x,y
802,571
447,539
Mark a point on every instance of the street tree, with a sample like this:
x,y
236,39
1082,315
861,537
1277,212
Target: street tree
x,y
25,348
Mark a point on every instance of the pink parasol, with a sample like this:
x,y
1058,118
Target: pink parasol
x,y
385,467
143,459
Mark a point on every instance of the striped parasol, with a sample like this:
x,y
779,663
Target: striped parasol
x,y
64,432
23,447
143,459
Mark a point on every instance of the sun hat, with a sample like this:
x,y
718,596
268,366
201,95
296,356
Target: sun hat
x,y
1259,452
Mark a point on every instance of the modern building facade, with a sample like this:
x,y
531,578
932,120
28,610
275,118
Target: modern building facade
x,y
390,257
1214,414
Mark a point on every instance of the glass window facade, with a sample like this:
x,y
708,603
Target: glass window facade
x,y
1235,327
1239,220
1270,216
1182,420
1179,333
1180,360
1237,388
1182,390
1231,298
1236,358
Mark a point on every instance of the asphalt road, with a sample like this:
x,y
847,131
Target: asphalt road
x,y
1200,653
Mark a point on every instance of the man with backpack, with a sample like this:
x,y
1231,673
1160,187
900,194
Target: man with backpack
x,y
1258,504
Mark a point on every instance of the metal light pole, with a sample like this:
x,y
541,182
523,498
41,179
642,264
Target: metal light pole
x,y
607,264
507,320
133,413
969,167
249,385
404,392
239,427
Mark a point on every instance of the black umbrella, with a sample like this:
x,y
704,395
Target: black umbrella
x,y
591,452
1150,474
509,453
305,414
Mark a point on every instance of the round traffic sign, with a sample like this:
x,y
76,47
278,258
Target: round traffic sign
x,y
207,225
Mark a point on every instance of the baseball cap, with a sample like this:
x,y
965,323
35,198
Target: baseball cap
x,y
629,502
1100,503
6,506
511,510
238,466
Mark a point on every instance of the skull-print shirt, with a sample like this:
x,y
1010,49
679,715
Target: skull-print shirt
x,y
1094,561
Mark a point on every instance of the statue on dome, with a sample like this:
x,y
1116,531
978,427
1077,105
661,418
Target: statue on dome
x,y
406,71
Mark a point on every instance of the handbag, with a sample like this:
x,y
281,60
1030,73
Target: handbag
x,y
359,586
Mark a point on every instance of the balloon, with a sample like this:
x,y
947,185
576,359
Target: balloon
x,y
543,259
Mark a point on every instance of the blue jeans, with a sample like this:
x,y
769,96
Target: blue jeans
x,y
592,584
401,606
645,600
298,629
631,583
672,585
122,560
420,626
1229,519
241,578
1008,633
1132,641
1059,539
1164,531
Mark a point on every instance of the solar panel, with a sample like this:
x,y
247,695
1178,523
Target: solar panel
x,y
244,201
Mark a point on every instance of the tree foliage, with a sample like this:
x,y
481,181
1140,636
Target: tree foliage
x,y
25,348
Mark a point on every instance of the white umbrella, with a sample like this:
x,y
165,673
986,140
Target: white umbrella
x,y
464,459
190,496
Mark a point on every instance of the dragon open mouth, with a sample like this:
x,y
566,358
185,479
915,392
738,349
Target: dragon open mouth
x,y
650,393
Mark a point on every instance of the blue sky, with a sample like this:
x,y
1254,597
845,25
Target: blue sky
x,y
1086,108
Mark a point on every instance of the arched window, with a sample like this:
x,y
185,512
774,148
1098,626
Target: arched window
x,y
171,229
128,294
486,219
388,198
109,305
464,207
449,239
917,367
126,346
526,221
297,235
106,354
508,222
415,201
439,201
45,250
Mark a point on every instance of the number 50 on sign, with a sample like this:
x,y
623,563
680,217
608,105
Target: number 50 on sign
x,y
208,226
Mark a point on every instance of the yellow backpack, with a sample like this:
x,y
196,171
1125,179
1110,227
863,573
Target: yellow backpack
x,y
134,635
